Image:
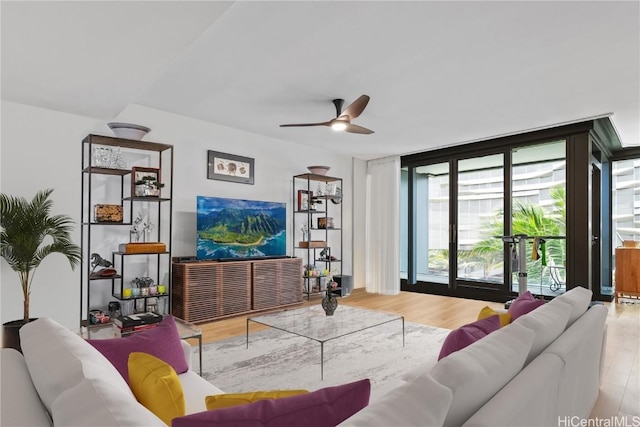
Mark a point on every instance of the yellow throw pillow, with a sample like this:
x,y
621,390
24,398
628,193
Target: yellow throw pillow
x,y
219,401
505,318
156,386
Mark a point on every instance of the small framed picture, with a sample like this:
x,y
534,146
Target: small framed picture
x,y
148,178
229,167
304,198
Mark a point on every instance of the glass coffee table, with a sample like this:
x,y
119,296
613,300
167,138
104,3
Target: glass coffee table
x,y
186,330
311,322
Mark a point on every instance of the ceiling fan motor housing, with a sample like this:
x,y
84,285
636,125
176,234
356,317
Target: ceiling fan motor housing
x,y
339,102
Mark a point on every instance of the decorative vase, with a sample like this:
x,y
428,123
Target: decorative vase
x,y
329,301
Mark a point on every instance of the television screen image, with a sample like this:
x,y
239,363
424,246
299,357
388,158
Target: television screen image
x,y
235,228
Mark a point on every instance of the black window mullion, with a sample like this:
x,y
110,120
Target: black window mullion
x,y
508,216
411,226
453,223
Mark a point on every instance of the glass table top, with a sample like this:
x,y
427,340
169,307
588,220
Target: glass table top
x,y
312,322
185,329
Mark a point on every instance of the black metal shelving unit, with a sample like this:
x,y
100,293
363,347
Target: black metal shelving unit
x,y
107,185
323,196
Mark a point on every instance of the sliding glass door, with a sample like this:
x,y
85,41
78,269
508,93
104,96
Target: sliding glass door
x,y
626,207
569,190
432,223
456,213
538,204
480,220
426,229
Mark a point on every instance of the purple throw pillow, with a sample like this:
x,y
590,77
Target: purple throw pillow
x,y
326,407
523,305
163,342
468,334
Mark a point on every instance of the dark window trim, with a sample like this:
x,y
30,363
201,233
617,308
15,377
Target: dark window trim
x,y
605,136
599,131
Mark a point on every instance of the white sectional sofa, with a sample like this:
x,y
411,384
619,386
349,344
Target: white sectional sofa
x,y
62,380
543,367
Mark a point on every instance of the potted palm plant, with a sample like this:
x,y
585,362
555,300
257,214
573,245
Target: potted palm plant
x,y
28,234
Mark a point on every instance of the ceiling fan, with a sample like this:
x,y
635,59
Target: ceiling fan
x,y
342,122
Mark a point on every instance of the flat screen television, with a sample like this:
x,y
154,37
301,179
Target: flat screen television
x,y
236,229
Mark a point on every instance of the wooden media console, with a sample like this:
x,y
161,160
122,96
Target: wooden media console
x,y
203,291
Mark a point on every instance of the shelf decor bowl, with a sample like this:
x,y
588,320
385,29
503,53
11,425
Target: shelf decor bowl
x,y
128,130
318,170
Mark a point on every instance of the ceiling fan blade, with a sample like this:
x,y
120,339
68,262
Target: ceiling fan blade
x,y
357,129
356,107
304,124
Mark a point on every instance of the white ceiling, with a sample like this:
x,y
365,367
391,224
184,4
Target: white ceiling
x,y
439,73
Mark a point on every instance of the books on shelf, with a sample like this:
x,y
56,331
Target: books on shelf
x,y
134,323
123,332
138,319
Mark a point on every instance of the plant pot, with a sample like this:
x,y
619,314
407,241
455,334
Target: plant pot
x,y
11,333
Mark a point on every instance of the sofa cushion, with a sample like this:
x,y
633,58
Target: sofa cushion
x,y
468,334
227,400
548,322
195,388
477,372
421,401
578,298
505,317
529,399
325,407
524,304
156,386
163,342
20,403
581,350
96,403
58,360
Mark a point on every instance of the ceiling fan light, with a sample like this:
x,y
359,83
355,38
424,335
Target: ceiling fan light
x,y
339,125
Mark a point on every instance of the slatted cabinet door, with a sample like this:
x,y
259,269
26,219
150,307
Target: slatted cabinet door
x,y
277,283
235,287
206,291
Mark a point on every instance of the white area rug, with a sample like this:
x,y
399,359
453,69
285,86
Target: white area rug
x,y
279,360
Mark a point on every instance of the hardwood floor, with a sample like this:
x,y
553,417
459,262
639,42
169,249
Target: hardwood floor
x,y
620,389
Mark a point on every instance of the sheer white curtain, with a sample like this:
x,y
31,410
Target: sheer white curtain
x,y
383,226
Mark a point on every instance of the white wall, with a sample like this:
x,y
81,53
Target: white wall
x,y
42,149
